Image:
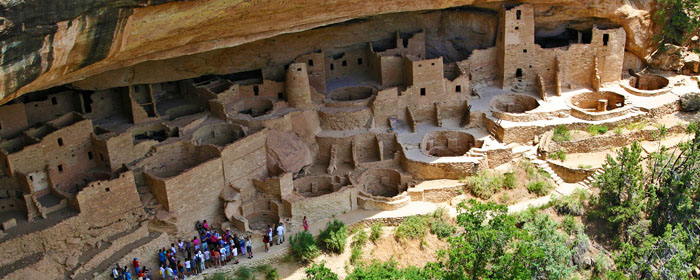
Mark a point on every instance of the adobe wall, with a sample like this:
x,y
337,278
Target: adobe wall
x,y
105,103
570,174
482,66
316,68
243,161
109,199
324,206
442,170
345,118
388,104
112,151
45,110
347,62
13,120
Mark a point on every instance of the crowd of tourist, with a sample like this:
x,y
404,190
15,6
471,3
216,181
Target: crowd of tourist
x,y
209,248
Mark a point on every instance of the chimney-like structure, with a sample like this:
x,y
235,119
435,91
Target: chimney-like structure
x,y
297,86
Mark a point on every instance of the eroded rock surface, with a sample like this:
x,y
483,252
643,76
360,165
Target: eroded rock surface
x,y
286,153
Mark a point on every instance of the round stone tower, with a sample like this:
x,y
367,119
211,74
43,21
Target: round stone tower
x,y
297,86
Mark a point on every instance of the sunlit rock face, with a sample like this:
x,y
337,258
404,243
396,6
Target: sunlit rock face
x,y
101,44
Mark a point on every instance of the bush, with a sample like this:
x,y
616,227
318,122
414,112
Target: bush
x,y
509,180
505,198
376,231
385,270
218,276
355,254
334,237
360,238
244,273
320,272
618,130
571,204
561,134
442,228
529,168
597,129
569,224
485,184
303,247
413,227
540,188
269,272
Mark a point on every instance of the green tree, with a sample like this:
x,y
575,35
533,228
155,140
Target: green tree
x,y
386,270
621,189
541,252
679,19
334,237
646,256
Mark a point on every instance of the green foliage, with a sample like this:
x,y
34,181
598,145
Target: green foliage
x,y
386,270
602,265
690,102
540,188
636,125
269,272
505,198
666,256
355,254
376,231
485,183
412,227
571,204
320,272
679,19
244,273
621,188
597,129
660,133
303,247
561,134
569,224
509,180
529,168
334,237
560,155
360,238
618,130
585,166
493,247
442,228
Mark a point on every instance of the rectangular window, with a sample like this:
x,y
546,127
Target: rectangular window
x,y
280,96
422,91
524,50
458,88
256,90
60,168
332,68
606,38
54,101
102,157
359,61
345,63
60,142
518,14
107,189
89,155
311,62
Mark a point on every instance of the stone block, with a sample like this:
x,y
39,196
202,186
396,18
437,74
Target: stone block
x,y
9,224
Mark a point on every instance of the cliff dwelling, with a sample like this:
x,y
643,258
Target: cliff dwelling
x,y
132,148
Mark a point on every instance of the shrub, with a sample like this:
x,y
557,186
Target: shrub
x,y
334,237
218,276
320,272
244,273
505,198
509,180
636,125
568,205
385,270
660,133
442,228
529,168
303,247
543,173
618,130
597,129
485,184
602,265
360,238
569,224
540,188
269,272
413,227
376,231
561,134
355,254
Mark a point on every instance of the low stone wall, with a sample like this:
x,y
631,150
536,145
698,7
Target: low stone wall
x,y
115,246
440,170
604,142
570,174
436,195
371,202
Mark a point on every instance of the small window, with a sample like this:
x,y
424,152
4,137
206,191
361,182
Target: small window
x,y
31,178
422,91
524,50
280,96
311,62
359,61
458,88
519,73
89,155
344,63
606,38
256,90
54,101
60,168
420,65
433,64
60,142
518,14
299,69
516,28
332,68
0,125
102,157
107,189
530,66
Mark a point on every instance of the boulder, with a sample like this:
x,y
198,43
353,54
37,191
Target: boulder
x,y
71,261
229,194
286,153
230,210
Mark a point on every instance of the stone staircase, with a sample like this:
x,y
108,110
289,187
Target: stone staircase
x,y
519,86
586,183
541,164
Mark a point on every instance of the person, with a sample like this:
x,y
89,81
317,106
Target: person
x,y
188,267
234,253
173,248
249,247
216,256
127,275
115,272
266,238
136,266
207,257
306,224
270,231
195,241
162,272
202,267
180,270
236,243
222,254
142,274
161,256
280,234
205,225
169,273
242,246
